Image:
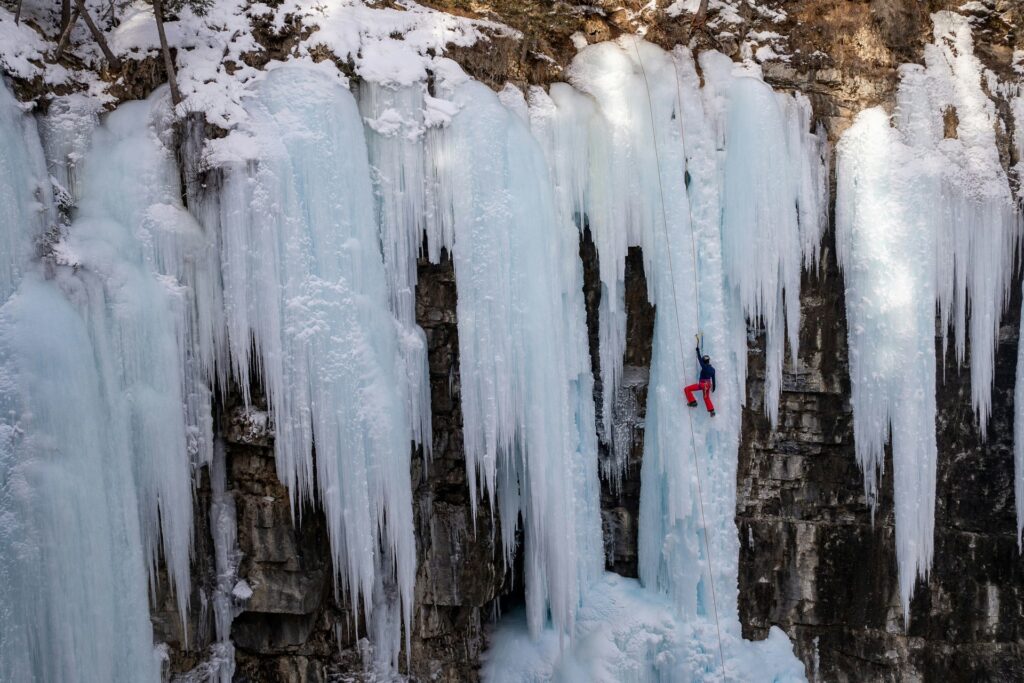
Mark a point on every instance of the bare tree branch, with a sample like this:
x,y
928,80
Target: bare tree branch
x,y
97,35
172,79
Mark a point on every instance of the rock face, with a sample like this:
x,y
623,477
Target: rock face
x,y
814,560
815,563
294,627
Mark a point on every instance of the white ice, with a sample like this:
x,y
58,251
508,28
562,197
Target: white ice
x,y
887,247
307,306
633,154
73,574
924,219
132,246
525,378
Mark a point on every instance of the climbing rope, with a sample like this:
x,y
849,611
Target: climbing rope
x,y
679,327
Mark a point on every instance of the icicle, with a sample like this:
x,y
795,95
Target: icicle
x,y
977,228
306,289
526,390
885,236
394,133
26,206
924,217
774,203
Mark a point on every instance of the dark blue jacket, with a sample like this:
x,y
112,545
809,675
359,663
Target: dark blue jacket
x,y
706,370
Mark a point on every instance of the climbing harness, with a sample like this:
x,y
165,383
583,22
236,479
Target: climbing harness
x,y
679,328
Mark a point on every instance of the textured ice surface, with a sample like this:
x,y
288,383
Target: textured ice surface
x,y
887,245
26,205
305,291
73,599
636,154
525,374
305,248
395,130
627,634
132,242
924,218
74,529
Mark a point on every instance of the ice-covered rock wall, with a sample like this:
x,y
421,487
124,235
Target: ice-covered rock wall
x,y
98,442
297,280
924,219
306,304
637,151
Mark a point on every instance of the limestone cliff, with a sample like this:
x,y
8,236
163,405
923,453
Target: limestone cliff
x,y
814,558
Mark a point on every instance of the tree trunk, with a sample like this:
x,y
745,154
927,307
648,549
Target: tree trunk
x,y
65,35
65,16
17,14
172,80
701,17
97,35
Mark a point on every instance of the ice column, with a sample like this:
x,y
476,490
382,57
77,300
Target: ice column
x,y
395,129
774,203
565,146
526,392
305,289
886,239
134,246
924,217
73,600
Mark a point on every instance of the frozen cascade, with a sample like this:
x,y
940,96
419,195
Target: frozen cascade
x,y
67,492
886,241
526,386
26,207
305,290
557,139
768,229
395,127
923,219
68,486
608,171
133,246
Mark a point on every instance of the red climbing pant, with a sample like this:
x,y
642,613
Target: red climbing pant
x,y
705,386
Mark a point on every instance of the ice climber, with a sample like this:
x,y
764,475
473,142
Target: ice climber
x,y
706,382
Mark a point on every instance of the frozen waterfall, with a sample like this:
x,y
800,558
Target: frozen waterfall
x,y
306,302
636,151
95,472
924,219
291,276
